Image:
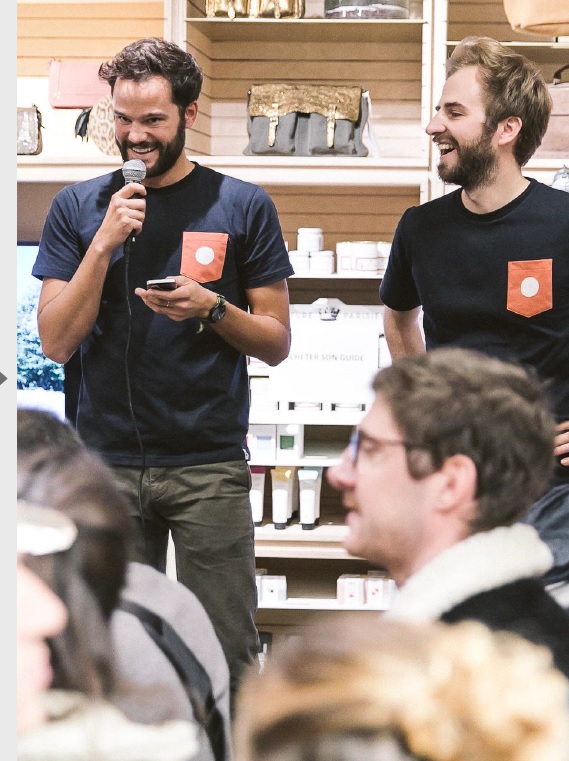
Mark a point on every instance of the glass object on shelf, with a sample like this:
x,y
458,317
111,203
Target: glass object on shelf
x,y
391,9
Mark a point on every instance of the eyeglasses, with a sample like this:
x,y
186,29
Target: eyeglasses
x,y
358,437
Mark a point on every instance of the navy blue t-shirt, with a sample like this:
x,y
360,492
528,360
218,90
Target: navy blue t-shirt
x,y
189,390
496,282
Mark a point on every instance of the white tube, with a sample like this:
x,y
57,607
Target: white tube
x,y
282,484
310,482
257,493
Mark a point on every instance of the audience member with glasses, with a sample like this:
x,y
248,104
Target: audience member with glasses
x,y
435,481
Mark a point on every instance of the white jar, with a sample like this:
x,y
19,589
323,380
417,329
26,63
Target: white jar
x,y
310,239
322,263
300,260
343,256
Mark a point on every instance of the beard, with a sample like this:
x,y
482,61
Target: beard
x,y
476,165
168,153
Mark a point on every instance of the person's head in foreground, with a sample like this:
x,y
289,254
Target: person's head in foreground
x,y
39,612
364,689
454,443
89,576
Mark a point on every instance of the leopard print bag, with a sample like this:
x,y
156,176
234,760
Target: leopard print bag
x,y
98,125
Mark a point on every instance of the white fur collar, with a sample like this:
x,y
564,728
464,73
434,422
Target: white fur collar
x,y
481,562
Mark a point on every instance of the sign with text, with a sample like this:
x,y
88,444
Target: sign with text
x,y
336,350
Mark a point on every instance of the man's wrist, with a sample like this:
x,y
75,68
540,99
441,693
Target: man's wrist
x,y
217,311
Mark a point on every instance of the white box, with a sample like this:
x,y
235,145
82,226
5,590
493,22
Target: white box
x,y
351,590
290,442
380,590
273,589
262,442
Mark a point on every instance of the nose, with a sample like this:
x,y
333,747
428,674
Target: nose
x,y
137,132
435,126
342,476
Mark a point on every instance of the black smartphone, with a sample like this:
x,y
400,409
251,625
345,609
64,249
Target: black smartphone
x,y
162,284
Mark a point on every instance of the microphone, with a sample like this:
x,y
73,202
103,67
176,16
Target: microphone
x,y
132,171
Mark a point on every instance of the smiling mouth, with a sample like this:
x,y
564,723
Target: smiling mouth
x,y
445,148
140,151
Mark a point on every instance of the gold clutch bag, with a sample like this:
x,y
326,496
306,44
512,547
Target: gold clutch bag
x,y
276,8
227,8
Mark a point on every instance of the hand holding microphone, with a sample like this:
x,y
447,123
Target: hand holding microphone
x,y
133,171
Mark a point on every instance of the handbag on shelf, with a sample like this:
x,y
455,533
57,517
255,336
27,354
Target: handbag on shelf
x,y
276,8
555,143
29,137
254,8
227,8
306,120
546,17
98,125
74,84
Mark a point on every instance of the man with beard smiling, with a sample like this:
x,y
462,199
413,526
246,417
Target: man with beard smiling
x,y
164,394
488,264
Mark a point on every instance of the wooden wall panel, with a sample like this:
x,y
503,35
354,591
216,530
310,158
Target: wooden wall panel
x,y
354,213
82,31
483,18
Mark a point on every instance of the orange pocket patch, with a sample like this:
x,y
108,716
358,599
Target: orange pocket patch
x,y
530,287
203,255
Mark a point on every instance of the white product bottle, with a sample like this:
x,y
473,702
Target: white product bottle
x,y
310,482
282,483
257,493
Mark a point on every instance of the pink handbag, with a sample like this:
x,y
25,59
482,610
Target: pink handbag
x,y
75,84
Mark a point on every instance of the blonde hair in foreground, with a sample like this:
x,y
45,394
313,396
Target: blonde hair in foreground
x,y
365,689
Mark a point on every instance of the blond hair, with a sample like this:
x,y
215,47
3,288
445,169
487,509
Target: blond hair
x,y
513,86
383,689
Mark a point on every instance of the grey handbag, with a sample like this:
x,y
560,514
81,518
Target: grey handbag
x,y
306,120
29,137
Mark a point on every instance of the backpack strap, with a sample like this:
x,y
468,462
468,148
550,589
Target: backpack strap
x,y
192,674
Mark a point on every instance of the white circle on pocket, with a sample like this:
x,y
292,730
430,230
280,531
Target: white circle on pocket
x,y
529,286
205,255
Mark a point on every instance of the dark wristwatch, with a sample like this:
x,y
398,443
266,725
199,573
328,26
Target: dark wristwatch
x,y
217,312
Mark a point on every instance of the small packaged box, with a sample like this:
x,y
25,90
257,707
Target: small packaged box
x,y
351,590
290,442
261,441
259,573
273,589
380,590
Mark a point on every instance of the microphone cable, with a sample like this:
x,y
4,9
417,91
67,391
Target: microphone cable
x,y
133,171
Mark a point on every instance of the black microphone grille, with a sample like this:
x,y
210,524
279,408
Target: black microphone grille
x,y
134,170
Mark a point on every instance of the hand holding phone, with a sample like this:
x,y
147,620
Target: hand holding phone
x,y
162,284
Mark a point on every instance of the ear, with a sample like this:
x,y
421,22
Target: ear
x,y
457,485
190,114
508,130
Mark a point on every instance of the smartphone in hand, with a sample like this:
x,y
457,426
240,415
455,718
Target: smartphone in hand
x,y
162,284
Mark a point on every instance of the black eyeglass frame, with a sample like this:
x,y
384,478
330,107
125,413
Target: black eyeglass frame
x,y
356,437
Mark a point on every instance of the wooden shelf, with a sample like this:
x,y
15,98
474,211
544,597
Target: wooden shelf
x,y
322,542
263,170
315,604
309,30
